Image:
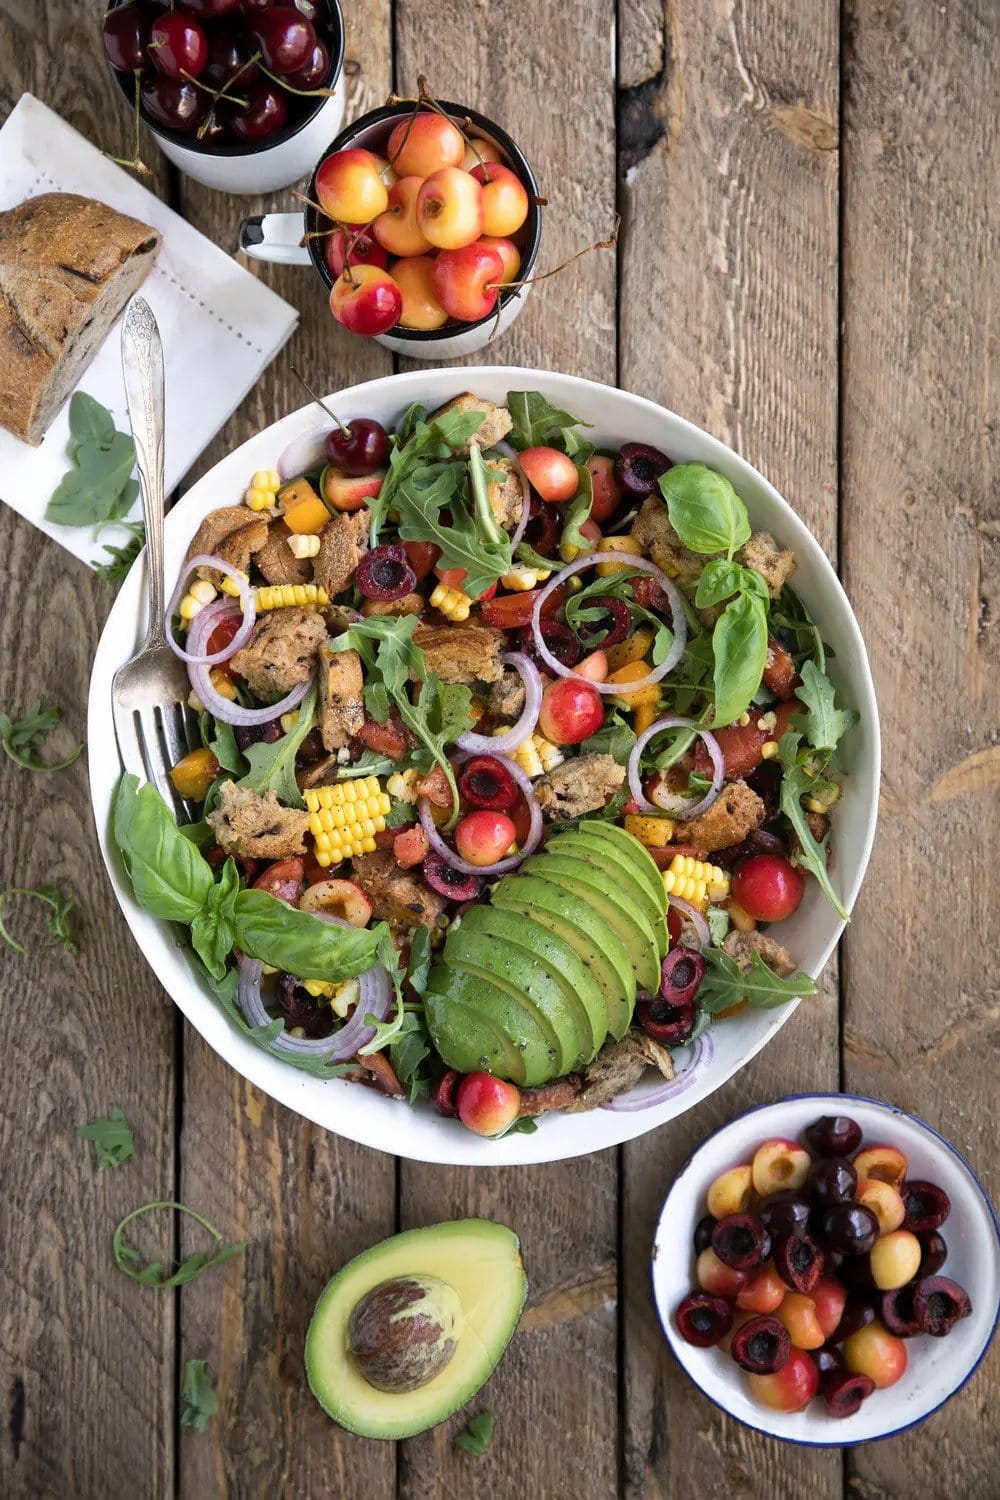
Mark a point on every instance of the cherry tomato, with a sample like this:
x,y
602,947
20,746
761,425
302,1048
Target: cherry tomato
x,y
741,744
768,887
422,557
780,676
483,837
283,880
513,611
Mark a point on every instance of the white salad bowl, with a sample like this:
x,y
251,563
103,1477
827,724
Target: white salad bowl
x,y
936,1368
811,934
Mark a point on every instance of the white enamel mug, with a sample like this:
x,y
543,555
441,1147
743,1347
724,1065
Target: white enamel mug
x,y
262,166
297,238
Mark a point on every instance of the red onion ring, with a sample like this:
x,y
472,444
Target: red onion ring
x,y
678,621
704,1051
246,604
503,744
677,806
695,917
305,452
517,535
531,843
374,1000
228,712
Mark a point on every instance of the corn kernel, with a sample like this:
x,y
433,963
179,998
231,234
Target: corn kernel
x,y
230,586
823,799
769,749
743,720
767,722
344,818
520,579
288,721
452,603
402,785
284,595
696,881
617,544
303,545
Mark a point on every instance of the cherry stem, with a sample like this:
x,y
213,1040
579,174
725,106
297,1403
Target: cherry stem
x,y
282,83
356,231
424,96
608,244
136,164
319,401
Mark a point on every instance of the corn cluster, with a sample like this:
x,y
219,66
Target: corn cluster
x,y
520,579
649,830
535,755
344,819
341,996
282,595
263,491
231,587
452,603
695,881
304,544
402,785
198,595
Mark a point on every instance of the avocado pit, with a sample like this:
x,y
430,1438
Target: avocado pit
x,y
404,1332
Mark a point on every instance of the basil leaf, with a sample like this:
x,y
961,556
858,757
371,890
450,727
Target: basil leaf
x,y
739,646
273,766
112,1138
823,725
170,878
725,984
419,964
198,1395
719,580
795,784
91,493
89,422
213,930
705,510
536,422
298,942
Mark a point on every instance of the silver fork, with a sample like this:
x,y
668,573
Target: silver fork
x,y
154,725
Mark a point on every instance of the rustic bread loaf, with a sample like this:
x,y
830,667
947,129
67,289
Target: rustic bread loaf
x,y
68,265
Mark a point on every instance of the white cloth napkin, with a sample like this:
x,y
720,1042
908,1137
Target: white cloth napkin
x,y
220,326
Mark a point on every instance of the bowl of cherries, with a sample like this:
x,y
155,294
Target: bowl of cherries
x,y
240,94
827,1269
423,224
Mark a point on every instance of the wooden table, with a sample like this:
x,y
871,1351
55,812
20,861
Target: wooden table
x,y
808,268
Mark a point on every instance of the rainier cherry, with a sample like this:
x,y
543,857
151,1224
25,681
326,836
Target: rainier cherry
x,y
397,229
348,491
450,209
509,254
483,837
348,245
415,279
424,143
466,281
370,303
571,711
505,201
792,1388
477,151
552,474
349,187
486,1104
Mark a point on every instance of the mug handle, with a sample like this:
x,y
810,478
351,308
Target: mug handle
x,y
275,237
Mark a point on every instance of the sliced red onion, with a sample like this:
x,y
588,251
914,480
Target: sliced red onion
x,y
531,843
303,453
503,744
229,712
695,917
678,620
638,1098
195,634
517,535
677,806
374,1000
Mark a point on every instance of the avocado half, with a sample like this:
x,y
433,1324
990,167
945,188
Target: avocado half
x,y
480,1263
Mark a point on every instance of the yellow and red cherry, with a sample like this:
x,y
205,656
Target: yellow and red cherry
x,y
877,1353
358,448
829,1298
397,229
345,246
798,1313
731,1192
178,45
764,1293
779,1164
466,281
348,491
553,475
366,300
424,143
505,200
894,1259
450,209
349,187
487,1105
885,1202
791,1388
415,279
713,1275
607,491
593,667
571,711
483,837
509,254
477,151
769,887
884,1163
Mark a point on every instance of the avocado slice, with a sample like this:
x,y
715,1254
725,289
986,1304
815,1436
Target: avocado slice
x,y
467,1041
579,878
519,973
615,868
513,1016
638,855
593,938
480,1263
582,992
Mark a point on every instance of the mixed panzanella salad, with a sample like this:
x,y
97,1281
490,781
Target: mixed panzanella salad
x,y
515,753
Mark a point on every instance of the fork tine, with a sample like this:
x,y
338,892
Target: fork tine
x,y
129,744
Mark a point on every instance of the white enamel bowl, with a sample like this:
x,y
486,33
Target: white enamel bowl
x,y
360,1113
936,1369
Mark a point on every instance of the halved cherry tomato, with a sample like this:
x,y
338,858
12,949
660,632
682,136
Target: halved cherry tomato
x,y
223,634
410,846
513,611
422,557
454,578
741,744
283,879
665,853
780,676
384,739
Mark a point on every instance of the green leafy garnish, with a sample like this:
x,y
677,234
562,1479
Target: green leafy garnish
x,y
726,984
705,510
57,918
421,954
116,569
198,1395
273,766
23,738
422,448
739,645
538,424
823,725
477,1434
410,1051
719,923
99,488
721,578
800,780
213,930
577,511
112,1138
433,507
161,1273
220,738
615,738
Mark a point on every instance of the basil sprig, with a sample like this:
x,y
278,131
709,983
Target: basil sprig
x,y
705,510
739,645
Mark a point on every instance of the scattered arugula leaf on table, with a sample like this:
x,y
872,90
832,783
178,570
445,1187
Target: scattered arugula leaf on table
x,y
23,738
58,922
161,1273
99,488
116,569
272,766
477,1434
198,1395
726,984
111,1137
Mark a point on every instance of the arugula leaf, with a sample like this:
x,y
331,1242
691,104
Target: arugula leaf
x,y
401,815
577,511
116,569
479,478
411,418
614,738
525,1125
57,919
112,1138
273,766
297,941
796,783
477,1434
421,954
824,725
739,644
158,1273
705,510
578,448
213,930
426,501
23,738
369,763
725,984
220,738
536,422
170,878
533,559
422,446
791,615
198,1395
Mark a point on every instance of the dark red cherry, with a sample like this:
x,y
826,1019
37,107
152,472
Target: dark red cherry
x,y
447,881
443,1094
935,1253
359,448
212,10
833,1135
850,1227
613,626
265,116
927,1206
287,40
703,1233
229,53
844,1393
316,71
385,573
561,641
485,782
859,1311
897,1312
827,1360
126,32
741,1242
638,467
178,45
762,1346
784,1212
938,1304
664,1022
798,1260
175,106
703,1320
681,974
832,1180
298,1008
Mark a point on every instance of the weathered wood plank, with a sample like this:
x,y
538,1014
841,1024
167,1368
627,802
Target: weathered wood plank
x,y
555,1394
305,1199
922,239
728,314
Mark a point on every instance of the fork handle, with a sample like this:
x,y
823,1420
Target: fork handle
x,y
142,367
